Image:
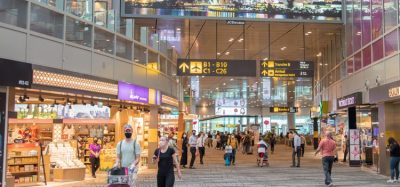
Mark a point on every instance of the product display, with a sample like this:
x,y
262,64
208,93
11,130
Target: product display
x,y
23,162
62,155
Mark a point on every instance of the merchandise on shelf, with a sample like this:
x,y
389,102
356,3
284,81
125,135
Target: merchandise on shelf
x,y
64,156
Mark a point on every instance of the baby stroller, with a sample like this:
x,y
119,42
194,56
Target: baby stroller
x,y
262,156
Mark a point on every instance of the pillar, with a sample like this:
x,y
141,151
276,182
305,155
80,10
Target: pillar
x,y
389,117
291,97
153,134
352,122
181,124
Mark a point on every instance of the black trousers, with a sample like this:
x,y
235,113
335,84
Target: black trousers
x,y
346,151
95,162
272,148
193,152
166,181
202,151
302,150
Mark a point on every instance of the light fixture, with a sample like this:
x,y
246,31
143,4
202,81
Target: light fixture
x,y
68,101
224,84
231,39
173,46
232,79
283,48
21,99
326,64
26,97
218,53
319,54
240,40
41,99
266,58
227,53
320,64
178,29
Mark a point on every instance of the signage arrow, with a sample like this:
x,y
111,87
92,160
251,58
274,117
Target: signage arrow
x,y
264,72
184,66
264,64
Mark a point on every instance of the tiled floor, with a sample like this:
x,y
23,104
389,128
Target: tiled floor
x,y
246,173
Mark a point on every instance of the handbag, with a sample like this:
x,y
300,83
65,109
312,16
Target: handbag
x,y
119,170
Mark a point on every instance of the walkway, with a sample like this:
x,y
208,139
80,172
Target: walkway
x,y
246,173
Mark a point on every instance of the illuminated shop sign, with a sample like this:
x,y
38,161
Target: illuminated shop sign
x,y
213,67
283,109
131,92
394,92
349,100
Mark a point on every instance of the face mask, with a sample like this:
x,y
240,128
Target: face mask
x,y
128,135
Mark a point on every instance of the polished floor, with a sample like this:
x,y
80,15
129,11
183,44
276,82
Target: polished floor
x,y
246,173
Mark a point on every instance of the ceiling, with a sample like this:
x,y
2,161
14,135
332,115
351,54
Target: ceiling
x,y
210,39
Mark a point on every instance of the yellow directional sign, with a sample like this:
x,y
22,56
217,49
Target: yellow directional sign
x,y
264,72
184,66
196,67
264,64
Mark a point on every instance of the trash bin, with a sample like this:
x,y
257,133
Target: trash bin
x,y
368,155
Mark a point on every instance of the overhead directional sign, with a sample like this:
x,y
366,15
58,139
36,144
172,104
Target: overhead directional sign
x,y
283,68
283,109
214,67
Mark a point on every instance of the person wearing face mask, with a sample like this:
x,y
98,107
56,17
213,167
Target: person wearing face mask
x,y
128,150
185,142
166,157
94,157
193,148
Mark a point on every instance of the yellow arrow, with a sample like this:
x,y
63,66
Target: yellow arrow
x,y
184,66
264,64
264,72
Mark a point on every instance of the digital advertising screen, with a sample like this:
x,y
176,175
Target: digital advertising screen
x,y
236,9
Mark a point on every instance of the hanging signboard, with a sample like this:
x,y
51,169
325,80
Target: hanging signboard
x,y
281,68
15,74
283,109
214,67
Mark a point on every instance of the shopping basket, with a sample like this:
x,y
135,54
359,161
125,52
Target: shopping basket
x,y
126,180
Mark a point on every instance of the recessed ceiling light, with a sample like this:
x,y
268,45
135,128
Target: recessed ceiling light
x,y
224,84
240,40
266,58
227,53
283,48
178,29
231,79
231,39
218,53
173,46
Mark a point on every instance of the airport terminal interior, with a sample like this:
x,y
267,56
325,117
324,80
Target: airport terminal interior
x,y
199,93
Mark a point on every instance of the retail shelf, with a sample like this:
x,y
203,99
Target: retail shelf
x,y
11,157
23,172
26,184
23,164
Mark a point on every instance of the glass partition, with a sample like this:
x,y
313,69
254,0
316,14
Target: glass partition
x,y
103,41
80,8
163,65
78,32
59,4
47,22
140,54
153,61
124,48
14,12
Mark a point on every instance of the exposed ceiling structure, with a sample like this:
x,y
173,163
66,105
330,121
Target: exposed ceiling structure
x,y
211,39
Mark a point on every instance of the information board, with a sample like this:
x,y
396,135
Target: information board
x,y
283,109
214,67
282,68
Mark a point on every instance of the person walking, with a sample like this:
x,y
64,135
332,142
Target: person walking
x,y
232,141
209,140
303,144
346,147
94,157
166,157
218,140
327,147
185,142
272,142
201,141
193,148
394,150
291,135
296,145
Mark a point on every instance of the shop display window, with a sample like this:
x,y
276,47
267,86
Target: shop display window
x,y
78,32
46,21
80,8
391,43
59,4
14,12
377,50
100,13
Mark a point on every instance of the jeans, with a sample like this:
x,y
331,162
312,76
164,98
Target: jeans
x,y
297,154
327,163
166,181
233,156
193,152
394,167
202,151
95,162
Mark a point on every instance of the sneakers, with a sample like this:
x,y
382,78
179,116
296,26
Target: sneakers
x,y
330,184
391,181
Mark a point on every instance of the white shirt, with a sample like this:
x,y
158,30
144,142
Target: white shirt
x,y
193,141
297,140
201,141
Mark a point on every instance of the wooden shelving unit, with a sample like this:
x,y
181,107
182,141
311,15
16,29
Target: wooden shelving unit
x,y
25,168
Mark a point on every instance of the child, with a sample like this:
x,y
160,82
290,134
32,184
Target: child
x,y
262,151
228,155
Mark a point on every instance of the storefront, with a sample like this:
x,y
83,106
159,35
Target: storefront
x,y
386,124
52,123
354,119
